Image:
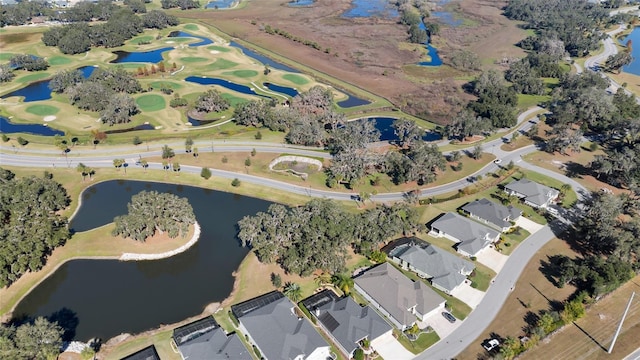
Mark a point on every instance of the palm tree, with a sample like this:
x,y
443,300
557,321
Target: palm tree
x,y
83,170
323,278
144,164
293,291
343,282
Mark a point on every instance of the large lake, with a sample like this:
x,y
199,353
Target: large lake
x,y
110,297
634,67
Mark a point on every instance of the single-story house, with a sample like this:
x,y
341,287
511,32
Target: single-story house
x,y
345,321
278,329
400,299
204,339
493,214
148,353
470,235
446,271
533,194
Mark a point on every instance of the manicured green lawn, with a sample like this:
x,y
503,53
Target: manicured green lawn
x,y
151,102
33,77
513,239
219,48
193,27
144,38
424,341
5,56
59,60
165,84
234,100
481,278
296,79
527,101
221,64
242,73
190,59
42,110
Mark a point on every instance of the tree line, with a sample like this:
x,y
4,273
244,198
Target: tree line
x,y
317,235
31,226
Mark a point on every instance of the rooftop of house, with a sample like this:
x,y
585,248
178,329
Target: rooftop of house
x,y
492,212
148,353
535,193
396,293
276,328
472,235
204,339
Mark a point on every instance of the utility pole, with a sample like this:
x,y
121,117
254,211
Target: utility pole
x,y
615,337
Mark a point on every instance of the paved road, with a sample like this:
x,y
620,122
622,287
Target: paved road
x,y
634,355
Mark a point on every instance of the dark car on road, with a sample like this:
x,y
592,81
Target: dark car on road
x,y
449,317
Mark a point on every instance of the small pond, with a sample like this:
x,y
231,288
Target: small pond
x,y
203,40
352,101
431,51
110,297
387,133
153,56
39,90
224,83
196,122
371,8
7,127
281,89
296,3
220,4
263,59
634,36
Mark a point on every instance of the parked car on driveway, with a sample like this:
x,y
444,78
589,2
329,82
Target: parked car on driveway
x,y
449,317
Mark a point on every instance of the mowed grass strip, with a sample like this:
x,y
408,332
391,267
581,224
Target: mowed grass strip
x,y
296,79
234,100
33,77
218,48
192,59
151,102
42,110
5,56
166,85
242,73
59,60
193,27
221,64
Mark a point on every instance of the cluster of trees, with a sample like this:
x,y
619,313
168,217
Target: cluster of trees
x,y
496,101
182,4
31,225
28,62
121,25
22,12
6,73
465,60
317,235
40,339
211,101
106,91
150,211
574,22
275,31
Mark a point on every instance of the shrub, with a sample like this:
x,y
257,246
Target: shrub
x,y
276,280
205,173
247,162
359,354
235,182
253,153
225,159
22,141
258,135
136,140
5,138
593,147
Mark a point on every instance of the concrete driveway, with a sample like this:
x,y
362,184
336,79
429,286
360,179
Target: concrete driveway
x,y
491,258
529,225
389,348
441,325
468,295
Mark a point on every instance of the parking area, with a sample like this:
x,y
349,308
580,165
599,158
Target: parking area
x,y
389,348
468,295
528,225
441,325
491,258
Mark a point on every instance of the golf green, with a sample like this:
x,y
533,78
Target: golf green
x,y
59,60
296,79
190,59
151,102
233,100
191,27
142,39
5,56
221,64
42,110
165,84
242,73
219,48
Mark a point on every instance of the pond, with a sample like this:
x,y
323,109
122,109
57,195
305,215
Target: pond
x,y
263,59
371,8
220,4
197,122
39,90
296,3
634,36
7,127
224,83
352,101
203,40
110,297
431,51
153,56
387,133
281,89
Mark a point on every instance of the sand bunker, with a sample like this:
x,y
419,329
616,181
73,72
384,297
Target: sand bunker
x,y
214,52
170,42
49,118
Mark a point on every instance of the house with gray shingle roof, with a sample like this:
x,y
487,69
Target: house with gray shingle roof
x,y
445,270
400,299
471,236
345,321
148,353
493,214
534,194
204,339
277,328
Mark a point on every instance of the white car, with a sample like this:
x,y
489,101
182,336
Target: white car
x,y
490,344
497,161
